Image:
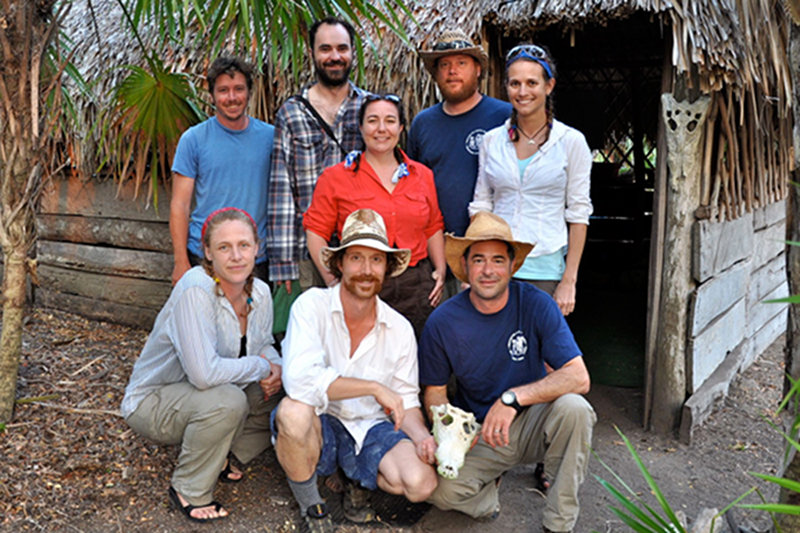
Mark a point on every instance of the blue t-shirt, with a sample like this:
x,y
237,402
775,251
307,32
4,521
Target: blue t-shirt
x,y
488,354
449,145
230,168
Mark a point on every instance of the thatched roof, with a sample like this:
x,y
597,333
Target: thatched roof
x,y
716,39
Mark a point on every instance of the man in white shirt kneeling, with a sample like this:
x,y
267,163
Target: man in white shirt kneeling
x,y
350,375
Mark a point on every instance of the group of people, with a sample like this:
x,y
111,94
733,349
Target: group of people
x,y
415,269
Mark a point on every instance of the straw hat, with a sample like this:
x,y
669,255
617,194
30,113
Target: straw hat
x,y
365,227
453,42
485,226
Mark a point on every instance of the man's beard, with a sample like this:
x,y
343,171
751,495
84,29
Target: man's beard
x,y
350,285
329,81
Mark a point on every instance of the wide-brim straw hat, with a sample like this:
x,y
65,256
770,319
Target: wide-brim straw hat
x,y
485,226
365,227
453,42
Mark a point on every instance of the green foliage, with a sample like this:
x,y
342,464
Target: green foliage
x,y
263,28
636,513
151,110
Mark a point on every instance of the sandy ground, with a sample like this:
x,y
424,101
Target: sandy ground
x,y
69,463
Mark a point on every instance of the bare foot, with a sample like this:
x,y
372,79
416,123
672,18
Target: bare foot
x,y
231,472
212,511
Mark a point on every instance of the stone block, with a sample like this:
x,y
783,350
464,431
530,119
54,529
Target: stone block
x,y
709,349
768,243
718,245
717,295
769,215
764,279
759,312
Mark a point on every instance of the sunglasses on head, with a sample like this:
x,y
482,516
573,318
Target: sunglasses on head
x,y
452,45
532,52
529,49
388,97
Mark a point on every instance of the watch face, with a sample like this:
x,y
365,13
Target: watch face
x,y
508,397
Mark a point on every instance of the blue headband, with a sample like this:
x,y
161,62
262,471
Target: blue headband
x,y
525,55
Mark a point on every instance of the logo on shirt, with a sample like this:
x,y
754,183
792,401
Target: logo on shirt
x,y
517,346
473,142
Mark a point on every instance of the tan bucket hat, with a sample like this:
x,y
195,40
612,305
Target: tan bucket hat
x,y
365,227
453,42
485,226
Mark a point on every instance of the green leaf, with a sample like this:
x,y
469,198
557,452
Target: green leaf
x,y
781,481
780,508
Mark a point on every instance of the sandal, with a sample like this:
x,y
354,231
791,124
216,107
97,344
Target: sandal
x,y
540,481
317,519
188,508
224,476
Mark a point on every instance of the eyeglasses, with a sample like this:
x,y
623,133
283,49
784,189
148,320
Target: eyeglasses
x,y
388,97
452,45
532,50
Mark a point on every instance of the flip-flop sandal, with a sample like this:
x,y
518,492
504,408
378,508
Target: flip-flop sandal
x,y
540,481
224,476
188,508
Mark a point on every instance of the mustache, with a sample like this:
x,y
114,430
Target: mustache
x,y
366,277
333,63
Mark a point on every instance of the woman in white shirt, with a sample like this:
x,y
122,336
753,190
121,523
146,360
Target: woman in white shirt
x,y
534,172
208,375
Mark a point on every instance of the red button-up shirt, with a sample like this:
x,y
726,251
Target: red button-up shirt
x,y
410,211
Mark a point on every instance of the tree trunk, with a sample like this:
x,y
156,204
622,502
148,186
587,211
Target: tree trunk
x,y
683,134
14,277
26,29
792,349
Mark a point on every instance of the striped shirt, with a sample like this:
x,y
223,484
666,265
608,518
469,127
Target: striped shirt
x,y
301,151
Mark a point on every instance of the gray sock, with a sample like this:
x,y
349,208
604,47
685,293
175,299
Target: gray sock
x,y
306,492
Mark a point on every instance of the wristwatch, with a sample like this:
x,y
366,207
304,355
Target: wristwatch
x,y
509,398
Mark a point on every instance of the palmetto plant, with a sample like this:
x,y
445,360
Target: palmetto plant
x,y
153,106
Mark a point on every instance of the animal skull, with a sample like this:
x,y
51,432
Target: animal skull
x,y
454,431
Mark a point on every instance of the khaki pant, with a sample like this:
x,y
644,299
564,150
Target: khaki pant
x,y
557,433
207,424
309,275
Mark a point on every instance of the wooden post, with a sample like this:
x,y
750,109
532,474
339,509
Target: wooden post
x,y
685,124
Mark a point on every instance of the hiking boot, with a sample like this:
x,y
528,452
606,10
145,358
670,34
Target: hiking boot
x,y
356,505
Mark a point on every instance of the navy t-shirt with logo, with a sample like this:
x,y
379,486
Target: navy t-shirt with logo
x,y
449,145
491,353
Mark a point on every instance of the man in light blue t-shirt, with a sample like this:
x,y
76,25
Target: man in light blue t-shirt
x,y
222,162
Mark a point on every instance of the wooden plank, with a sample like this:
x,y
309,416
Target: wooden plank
x,y
104,260
71,196
140,292
138,235
657,232
129,315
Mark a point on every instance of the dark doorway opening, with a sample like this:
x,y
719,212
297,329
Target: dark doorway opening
x,y
608,87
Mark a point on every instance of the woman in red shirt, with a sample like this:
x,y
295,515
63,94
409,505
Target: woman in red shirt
x,y
383,178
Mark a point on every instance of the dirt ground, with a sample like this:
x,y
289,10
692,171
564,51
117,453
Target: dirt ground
x,y
70,463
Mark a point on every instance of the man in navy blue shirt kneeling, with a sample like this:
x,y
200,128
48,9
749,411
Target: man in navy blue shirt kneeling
x,y
495,338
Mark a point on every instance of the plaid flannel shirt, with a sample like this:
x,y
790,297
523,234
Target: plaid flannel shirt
x,y
301,151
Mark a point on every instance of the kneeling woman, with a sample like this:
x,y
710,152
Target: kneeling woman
x,y
208,375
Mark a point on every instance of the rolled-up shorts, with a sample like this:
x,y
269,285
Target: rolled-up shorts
x,y
339,449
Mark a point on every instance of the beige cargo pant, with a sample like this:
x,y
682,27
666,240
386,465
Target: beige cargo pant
x,y
557,433
207,424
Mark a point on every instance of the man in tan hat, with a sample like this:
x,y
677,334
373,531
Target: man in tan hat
x,y
495,338
447,136
350,375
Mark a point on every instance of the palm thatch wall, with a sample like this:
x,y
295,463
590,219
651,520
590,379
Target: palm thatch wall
x,y
734,50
